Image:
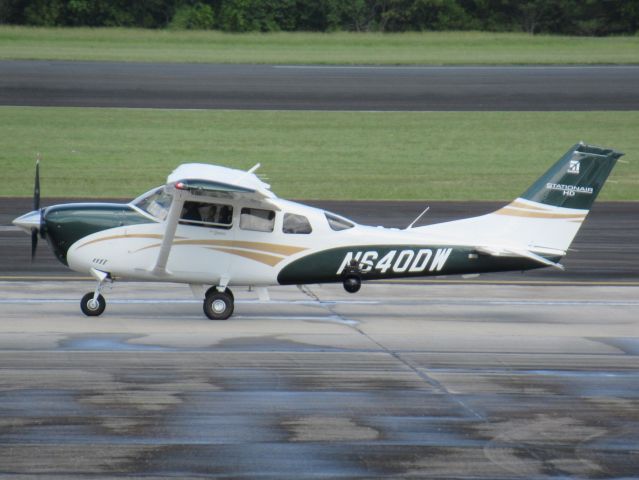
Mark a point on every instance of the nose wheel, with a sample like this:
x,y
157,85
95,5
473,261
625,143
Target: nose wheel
x,y
93,303
92,307
218,305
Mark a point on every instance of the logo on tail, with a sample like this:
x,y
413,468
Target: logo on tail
x,y
573,167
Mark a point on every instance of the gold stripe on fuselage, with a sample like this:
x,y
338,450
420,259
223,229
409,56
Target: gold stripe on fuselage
x,y
264,258
261,246
513,212
517,204
267,253
130,235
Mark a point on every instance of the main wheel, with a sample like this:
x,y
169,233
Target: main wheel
x,y
352,283
218,305
90,307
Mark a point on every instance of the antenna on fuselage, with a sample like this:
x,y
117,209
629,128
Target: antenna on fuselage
x,y
418,217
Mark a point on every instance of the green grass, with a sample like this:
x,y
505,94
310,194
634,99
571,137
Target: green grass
x,y
439,48
91,152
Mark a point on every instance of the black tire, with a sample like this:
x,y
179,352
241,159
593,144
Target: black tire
x,y
219,305
352,283
88,309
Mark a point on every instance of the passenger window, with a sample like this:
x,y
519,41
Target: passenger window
x,y
338,223
257,220
207,215
296,224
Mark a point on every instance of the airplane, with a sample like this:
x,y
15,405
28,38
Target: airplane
x,y
214,228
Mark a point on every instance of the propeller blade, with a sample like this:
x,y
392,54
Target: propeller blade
x,y
36,188
34,242
42,230
36,206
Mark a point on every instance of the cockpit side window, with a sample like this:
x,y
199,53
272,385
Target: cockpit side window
x,y
294,223
338,223
203,214
156,204
257,219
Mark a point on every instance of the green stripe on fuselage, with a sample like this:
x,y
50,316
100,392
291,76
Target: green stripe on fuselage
x,y
392,261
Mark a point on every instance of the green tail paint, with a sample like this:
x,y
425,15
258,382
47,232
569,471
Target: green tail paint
x,y
576,179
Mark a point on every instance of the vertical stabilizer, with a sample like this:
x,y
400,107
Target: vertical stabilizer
x,y
546,218
549,214
576,179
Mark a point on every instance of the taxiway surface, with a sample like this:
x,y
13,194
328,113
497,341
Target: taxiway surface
x,y
282,87
472,382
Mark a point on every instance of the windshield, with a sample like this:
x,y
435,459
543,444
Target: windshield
x,y
156,203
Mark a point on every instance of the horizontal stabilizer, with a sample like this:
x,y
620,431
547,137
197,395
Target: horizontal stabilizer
x,y
515,252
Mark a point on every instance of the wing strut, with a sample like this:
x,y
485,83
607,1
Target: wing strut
x,y
171,224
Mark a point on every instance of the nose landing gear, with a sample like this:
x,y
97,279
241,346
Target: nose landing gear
x,y
93,304
92,307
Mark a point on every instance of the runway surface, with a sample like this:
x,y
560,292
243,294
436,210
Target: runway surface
x,y
605,250
455,382
148,85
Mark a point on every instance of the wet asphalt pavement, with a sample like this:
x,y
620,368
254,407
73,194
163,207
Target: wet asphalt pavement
x,y
403,381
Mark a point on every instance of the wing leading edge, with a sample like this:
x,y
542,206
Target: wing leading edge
x,y
200,178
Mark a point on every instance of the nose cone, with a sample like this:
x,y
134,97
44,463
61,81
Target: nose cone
x,y
28,221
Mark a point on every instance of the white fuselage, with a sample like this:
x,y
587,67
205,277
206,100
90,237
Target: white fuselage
x,y
206,255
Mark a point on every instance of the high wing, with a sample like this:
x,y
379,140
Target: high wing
x,y
198,178
192,180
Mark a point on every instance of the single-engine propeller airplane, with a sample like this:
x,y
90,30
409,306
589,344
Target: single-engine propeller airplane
x,y
217,227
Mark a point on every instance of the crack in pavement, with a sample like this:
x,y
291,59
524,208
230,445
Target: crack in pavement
x,y
421,373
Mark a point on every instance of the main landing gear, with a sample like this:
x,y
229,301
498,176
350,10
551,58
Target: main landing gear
x,y
93,304
219,305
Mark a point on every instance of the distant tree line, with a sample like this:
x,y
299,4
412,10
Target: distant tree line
x,y
571,17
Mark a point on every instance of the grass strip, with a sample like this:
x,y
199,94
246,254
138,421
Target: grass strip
x,y
93,152
414,48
